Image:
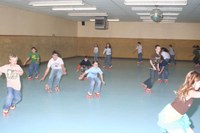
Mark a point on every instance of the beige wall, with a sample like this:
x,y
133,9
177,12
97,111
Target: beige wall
x,y
186,31
20,22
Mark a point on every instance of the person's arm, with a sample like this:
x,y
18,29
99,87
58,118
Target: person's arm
x,y
64,69
27,59
101,77
104,51
152,65
45,74
161,70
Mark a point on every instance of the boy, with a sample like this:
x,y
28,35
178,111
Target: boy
x,y
12,72
154,69
57,70
34,66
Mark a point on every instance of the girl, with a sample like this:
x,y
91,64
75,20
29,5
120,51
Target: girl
x,y
96,52
173,117
93,75
108,55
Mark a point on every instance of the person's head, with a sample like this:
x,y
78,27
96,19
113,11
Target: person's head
x,y
164,49
55,55
170,45
108,45
139,43
33,49
96,45
191,80
157,49
95,64
13,59
85,58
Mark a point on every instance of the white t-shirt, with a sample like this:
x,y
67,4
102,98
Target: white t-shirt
x,y
139,48
13,79
107,51
171,51
165,55
96,50
55,64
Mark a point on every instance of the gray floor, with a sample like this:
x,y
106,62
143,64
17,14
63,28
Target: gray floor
x,y
122,108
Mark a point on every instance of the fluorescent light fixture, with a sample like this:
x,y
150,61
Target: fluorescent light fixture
x,y
165,17
161,8
110,20
164,13
56,3
163,21
88,14
73,8
155,2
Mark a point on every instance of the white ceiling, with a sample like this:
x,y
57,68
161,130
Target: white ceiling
x,y
114,9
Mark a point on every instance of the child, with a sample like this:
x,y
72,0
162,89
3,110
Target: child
x,y
162,65
12,72
84,65
172,55
139,50
173,117
93,75
108,56
57,70
154,69
34,66
96,52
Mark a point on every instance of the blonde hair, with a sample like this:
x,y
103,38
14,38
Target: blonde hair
x,y
12,56
190,79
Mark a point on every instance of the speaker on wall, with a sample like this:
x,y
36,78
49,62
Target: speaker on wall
x,y
83,23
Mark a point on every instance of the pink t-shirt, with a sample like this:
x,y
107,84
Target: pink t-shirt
x,y
13,78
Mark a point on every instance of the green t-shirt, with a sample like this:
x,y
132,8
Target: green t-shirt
x,y
33,56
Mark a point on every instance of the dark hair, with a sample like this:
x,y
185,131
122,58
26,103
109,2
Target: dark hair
x,y
108,44
164,49
55,52
157,46
139,42
95,61
34,48
170,45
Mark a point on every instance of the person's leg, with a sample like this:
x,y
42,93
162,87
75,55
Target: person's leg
x,y
57,80
92,84
106,61
140,57
9,99
98,86
36,70
17,98
48,86
30,70
166,73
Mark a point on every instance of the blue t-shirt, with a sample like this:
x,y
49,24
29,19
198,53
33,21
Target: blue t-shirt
x,y
93,72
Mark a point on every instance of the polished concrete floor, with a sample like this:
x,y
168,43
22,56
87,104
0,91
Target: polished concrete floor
x,y
122,108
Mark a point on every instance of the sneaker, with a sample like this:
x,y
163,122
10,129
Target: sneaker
x,y
110,66
5,113
57,89
159,80
12,107
97,95
47,88
144,86
148,91
30,78
36,77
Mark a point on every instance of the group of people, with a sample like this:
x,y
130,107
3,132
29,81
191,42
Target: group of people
x,y
172,118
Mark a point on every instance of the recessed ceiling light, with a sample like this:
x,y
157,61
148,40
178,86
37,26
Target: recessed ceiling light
x,y
73,8
161,8
164,13
110,20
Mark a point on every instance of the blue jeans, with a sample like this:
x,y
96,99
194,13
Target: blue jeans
x,y
107,61
33,67
139,57
56,75
95,85
172,59
96,56
12,98
153,77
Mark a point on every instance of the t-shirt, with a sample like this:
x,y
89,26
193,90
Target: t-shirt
x,y
139,48
93,72
55,64
96,50
107,51
13,79
85,63
165,55
171,51
33,56
155,58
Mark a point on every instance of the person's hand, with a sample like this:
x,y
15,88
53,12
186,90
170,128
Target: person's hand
x,y
64,73
80,77
42,79
103,82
